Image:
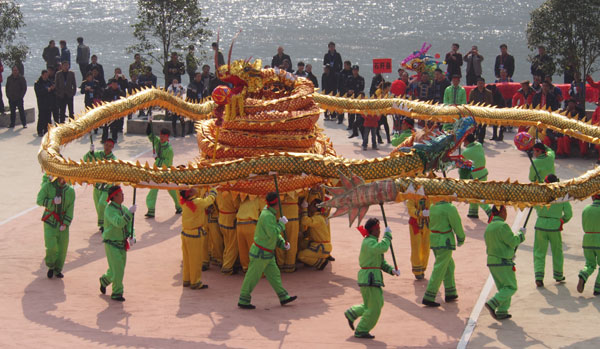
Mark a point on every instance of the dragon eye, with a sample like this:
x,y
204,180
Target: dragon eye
x,y
247,69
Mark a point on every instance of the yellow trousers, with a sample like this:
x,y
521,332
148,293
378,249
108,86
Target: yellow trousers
x,y
316,254
192,246
245,237
419,250
230,251
216,242
287,259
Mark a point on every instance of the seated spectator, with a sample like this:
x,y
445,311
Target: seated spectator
x,y
563,142
310,76
504,77
500,103
177,90
300,71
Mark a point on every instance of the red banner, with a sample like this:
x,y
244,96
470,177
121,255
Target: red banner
x,y
382,65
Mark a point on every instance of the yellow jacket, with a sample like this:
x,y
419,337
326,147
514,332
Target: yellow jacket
x,y
195,219
249,209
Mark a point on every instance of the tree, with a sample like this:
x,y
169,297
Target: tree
x,y
11,20
166,25
570,31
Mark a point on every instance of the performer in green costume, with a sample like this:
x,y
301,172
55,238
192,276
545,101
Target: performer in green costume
x,y
548,228
408,126
444,223
262,255
101,189
501,244
164,157
370,278
543,162
591,244
58,199
118,235
474,152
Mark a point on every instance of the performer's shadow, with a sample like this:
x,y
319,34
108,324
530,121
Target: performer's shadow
x,y
560,300
513,336
111,317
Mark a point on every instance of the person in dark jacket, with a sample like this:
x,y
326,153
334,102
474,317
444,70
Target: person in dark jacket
x,y
50,55
279,58
480,94
90,89
147,80
454,59
220,59
542,64
343,78
194,90
440,82
499,102
66,87
65,53
310,76
97,66
545,98
44,88
16,87
112,93
54,103
1,100
173,69
354,86
504,61
329,82
83,56
375,84
333,58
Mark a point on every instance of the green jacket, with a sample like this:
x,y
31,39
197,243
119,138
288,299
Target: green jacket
x,y
371,261
100,155
590,219
267,234
397,140
164,151
500,243
117,224
444,223
450,92
549,219
55,215
475,153
544,164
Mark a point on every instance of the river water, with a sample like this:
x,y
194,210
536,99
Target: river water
x,y
362,30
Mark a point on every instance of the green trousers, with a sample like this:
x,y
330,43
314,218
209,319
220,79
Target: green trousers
x,y
506,283
100,203
151,200
116,258
540,248
56,242
592,260
474,208
255,270
368,311
443,270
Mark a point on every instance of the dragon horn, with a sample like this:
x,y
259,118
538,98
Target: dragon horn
x,y
231,49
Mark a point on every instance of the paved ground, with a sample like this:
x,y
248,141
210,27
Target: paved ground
x,y
160,313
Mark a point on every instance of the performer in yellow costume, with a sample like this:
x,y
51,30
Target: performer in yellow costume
x,y
246,219
319,240
228,206
286,259
419,236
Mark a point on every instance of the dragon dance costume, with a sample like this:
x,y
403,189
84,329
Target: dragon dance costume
x,y
100,189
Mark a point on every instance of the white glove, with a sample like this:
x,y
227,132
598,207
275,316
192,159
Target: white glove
x,y
425,213
92,148
133,208
388,230
287,246
396,272
132,241
304,204
523,230
150,117
57,200
283,220
62,227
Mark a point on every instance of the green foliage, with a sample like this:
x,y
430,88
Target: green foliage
x,y
165,26
11,20
570,31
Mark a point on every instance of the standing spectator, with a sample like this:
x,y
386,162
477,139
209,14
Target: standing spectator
x,y
147,80
546,98
504,61
121,79
194,90
220,59
333,58
177,90
330,86
112,93
44,88
542,64
50,55
209,81
65,53
279,58
383,92
1,99
310,76
173,69
555,89
132,88
370,124
454,95
343,78
137,67
95,65
422,89
474,70
576,91
375,84
355,85
481,95
16,87
90,89
499,102
83,57
300,71
191,63
454,59
66,87
440,83
53,102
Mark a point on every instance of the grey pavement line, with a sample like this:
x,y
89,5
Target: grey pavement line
x,y
36,206
485,291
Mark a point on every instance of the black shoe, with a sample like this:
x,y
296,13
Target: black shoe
x,y
340,121
323,265
186,284
375,148
11,126
50,273
246,306
102,287
101,229
331,259
365,335
148,215
289,300
430,303
539,283
452,298
561,281
494,138
119,298
380,141
204,267
348,128
365,148
500,139
350,322
196,287
580,285
178,211
352,136
420,276
491,310
473,216
503,316
60,275
24,126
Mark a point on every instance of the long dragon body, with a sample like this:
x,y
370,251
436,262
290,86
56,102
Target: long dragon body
x,y
274,130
